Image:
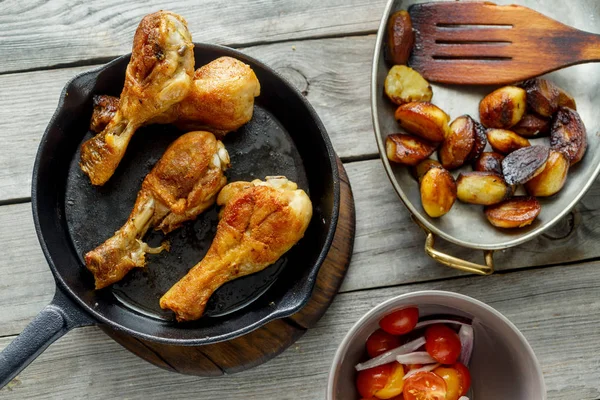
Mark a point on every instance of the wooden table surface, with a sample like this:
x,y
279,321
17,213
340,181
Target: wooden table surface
x,y
548,287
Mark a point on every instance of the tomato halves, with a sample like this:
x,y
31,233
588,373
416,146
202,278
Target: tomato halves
x,y
383,382
400,322
442,343
457,378
394,385
465,377
369,381
424,386
380,341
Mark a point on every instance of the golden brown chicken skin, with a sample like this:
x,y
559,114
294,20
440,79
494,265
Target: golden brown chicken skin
x,y
184,183
220,100
105,108
158,75
259,222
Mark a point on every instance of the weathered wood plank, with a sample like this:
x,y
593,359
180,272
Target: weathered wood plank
x,y
26,283
333,72
38,34
86,364
388,248
389,245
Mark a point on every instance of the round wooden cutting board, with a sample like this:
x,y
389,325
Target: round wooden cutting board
x,y
263,344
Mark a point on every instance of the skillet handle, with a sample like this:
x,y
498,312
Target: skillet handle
x,y
56,319
455,262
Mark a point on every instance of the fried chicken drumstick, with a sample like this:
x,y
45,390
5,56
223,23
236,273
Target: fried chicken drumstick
x,y
259,222
184,183
220,100
159,75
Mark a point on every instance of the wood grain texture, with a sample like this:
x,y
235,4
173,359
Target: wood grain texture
x,y
388,248
86,364
389,245
334,74
39,34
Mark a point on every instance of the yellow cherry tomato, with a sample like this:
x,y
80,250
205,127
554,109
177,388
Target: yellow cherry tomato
x,y
394,385
453,381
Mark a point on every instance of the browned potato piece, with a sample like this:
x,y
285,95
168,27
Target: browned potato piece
x,y
568,134
458,143
542,96
407,149
503,108
421,169
423,119
438,192
504,141
566,100
489,162
522,165
401,38
514,213
480,141
552,178
531,126
404,85
482,188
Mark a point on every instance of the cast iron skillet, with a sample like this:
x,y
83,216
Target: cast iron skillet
x,y
285,137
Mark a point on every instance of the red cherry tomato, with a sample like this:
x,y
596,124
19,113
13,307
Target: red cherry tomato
x,y
442,343
400,322
371,380
424,386
380,341
465,377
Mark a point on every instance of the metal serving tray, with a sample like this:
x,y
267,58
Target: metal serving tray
x,y
466,224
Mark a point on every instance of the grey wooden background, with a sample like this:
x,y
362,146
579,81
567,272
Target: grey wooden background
x,y
549,287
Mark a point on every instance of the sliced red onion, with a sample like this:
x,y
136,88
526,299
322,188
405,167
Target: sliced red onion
x,y
465,335
426,368
418,357
423,324
390,356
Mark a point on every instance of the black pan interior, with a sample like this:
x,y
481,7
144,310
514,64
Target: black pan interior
x,y
72,217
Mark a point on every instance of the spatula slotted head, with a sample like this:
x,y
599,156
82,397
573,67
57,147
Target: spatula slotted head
x,y
483,43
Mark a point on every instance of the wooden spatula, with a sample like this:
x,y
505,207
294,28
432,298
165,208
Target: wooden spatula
x,y
483,43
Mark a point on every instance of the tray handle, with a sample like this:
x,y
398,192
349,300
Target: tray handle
x,y
455,262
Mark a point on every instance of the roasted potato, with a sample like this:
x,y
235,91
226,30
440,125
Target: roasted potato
x,y
489,162
566,100
404,85
504,141
542,96
568,134
438,192
513,213
400,37
482,188
423,119
503,108
458,143
552,178
524,164
421,169
480,141
407,149
532,126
